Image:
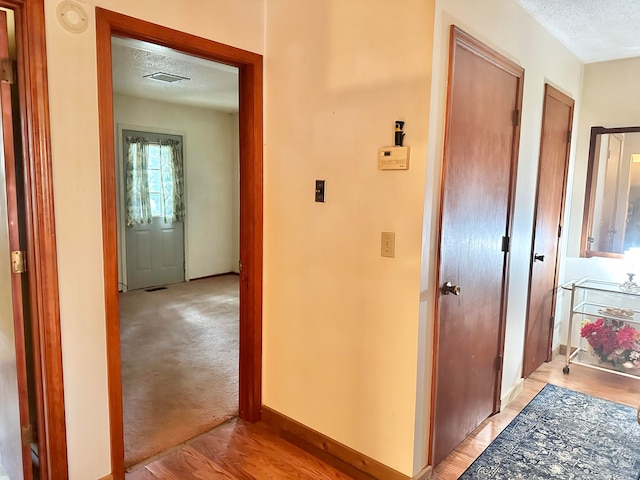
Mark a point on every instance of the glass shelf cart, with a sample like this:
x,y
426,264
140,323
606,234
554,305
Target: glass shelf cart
x,y
606,317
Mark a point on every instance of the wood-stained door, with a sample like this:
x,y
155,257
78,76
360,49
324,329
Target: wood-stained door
x,y
480,159
15,447
555,143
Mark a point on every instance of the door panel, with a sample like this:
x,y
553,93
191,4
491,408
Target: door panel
x,y
155,254
478,175
14,402
550,196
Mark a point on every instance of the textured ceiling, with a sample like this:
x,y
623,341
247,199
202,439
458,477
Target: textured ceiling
x,y
211,84
594,30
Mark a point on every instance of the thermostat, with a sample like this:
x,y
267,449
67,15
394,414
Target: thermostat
x,y
393,158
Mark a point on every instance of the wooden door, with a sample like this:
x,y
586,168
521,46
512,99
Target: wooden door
x,y
480,159
552,181
15,454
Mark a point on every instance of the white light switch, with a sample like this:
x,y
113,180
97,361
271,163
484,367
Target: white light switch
x,y
393,158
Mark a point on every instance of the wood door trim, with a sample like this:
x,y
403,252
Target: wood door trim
x,y
459,38
41,238
251,186
552,92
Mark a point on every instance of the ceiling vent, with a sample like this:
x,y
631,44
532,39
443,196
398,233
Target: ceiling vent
x,y
166,77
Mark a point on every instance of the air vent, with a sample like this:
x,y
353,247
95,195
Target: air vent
x,y
166,77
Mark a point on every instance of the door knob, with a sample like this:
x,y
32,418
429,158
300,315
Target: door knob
x,y
447,288
538,257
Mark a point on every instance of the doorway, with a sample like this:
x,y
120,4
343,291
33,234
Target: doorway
x,y
178,179
479,171
555,143
109,24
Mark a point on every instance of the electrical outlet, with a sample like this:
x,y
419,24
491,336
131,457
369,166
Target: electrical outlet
x,y
388,244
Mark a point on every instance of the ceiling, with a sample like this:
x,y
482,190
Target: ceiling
x,y
210,84
594,30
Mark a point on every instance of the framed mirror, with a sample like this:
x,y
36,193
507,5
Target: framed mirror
x,y
611,220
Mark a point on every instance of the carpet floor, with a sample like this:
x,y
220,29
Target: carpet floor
x,y
562,434
179,350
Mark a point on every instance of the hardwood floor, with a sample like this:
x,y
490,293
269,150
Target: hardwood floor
x,y
244,451
582,379
238,450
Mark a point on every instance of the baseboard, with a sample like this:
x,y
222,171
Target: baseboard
x,y
345,459
108,477
213,276
512,394
557,351
425,474
562,349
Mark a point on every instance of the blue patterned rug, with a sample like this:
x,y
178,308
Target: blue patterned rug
x,y
565,435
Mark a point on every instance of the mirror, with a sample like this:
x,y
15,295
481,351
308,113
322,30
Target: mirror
x,y
611,221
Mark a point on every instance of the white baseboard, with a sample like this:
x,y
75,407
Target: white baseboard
x,y
512,394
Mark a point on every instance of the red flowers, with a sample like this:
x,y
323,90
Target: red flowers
x,y
613,341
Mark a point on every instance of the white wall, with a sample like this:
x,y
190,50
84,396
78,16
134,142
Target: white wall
x,y
610,98
76,177
508,29
341,323
210,161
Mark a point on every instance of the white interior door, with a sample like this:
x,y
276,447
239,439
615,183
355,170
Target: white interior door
x,y
154,251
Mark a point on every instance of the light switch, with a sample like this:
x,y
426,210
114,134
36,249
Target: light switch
x,y
320,191
388,244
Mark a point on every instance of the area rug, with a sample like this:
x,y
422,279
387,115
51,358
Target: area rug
x,y
179,349
562,434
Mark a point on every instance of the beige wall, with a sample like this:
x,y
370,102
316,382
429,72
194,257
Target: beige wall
x,y
341,323
508,29
210,176
74,131
347,334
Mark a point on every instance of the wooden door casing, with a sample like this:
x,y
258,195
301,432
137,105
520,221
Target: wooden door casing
x,y
484,99
110,23
555,143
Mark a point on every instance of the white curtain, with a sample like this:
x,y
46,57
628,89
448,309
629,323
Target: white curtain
x,y
138,205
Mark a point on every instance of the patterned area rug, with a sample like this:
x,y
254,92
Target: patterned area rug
x,y
565,435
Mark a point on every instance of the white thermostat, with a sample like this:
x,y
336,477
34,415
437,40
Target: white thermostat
x,y
393,158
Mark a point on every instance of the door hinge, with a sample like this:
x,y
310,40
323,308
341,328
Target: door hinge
x,y
7,70
551,322
516,118
505,244
499,362
239,266
559,231
26,432
568,136
18,262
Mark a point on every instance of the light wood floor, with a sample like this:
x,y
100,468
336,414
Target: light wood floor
x,y
238,450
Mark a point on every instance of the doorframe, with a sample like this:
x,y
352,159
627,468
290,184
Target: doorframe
x,y
458,38
549,91
109,23
41,247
